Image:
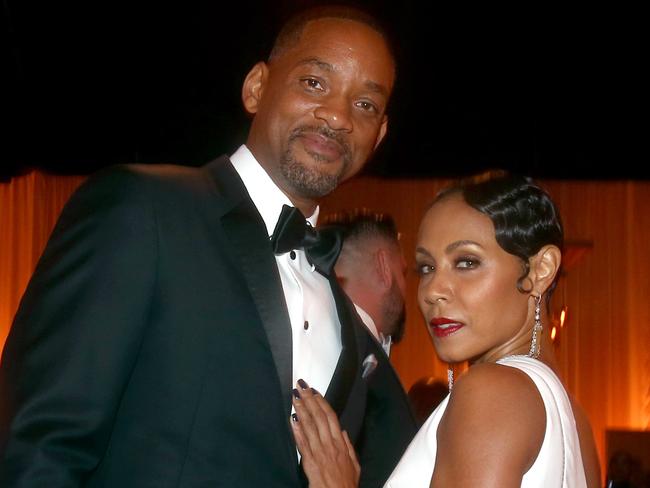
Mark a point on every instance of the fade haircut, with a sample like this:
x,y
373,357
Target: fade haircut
x,y
364,224
292,29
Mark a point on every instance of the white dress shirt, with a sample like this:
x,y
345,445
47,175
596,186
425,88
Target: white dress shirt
x,y
370,325
315,325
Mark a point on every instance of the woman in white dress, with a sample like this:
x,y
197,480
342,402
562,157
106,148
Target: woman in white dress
x,y
488,255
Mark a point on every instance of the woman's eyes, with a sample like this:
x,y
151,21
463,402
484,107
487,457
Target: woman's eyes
x,y
424,269
460,263
467,262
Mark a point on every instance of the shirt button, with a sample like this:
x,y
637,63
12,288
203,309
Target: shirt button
x,y
292,254
306,325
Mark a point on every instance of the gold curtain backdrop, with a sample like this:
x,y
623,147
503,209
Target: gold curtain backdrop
x,y
29,208
603,346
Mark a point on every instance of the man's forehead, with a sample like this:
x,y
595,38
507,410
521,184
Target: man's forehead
x,y
329,31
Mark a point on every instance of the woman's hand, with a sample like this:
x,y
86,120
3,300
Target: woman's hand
x,y
328,456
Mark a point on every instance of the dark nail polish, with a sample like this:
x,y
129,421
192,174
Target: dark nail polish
x,y
294,417
302,384
296,394
314,391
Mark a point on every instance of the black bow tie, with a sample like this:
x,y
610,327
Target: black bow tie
x,y
292,231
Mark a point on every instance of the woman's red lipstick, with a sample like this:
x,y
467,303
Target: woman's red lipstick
x,y
443,327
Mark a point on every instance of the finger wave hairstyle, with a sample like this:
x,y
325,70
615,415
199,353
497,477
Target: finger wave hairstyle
x,y
524,216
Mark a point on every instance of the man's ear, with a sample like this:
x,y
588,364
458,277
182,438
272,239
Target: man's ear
x,y
544,266
383,268
383,128
253,87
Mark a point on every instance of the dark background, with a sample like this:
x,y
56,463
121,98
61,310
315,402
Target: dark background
x,y
544,91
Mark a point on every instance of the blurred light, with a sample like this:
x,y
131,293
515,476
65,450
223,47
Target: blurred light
x,y
563,316
553,333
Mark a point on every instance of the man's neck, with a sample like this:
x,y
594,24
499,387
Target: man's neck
x,y
363,299
267,196
307,207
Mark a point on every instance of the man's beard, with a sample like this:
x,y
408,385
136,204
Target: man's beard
x,y
394,312
308,181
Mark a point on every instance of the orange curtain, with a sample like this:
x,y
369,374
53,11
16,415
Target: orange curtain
x,y
603,348
29,207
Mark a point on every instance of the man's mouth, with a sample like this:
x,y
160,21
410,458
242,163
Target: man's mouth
x,y
323,144
323,148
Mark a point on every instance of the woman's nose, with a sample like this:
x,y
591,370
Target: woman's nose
x,y
437,289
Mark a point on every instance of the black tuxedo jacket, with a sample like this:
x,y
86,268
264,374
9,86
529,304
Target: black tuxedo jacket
x,y
152,347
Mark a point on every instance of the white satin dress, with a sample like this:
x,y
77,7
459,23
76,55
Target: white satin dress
x,y
559,462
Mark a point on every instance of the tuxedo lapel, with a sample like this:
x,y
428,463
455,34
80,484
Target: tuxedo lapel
x,y
346,368
246,231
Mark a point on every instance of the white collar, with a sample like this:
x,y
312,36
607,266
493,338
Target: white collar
x,y
370,324
367,320
266,195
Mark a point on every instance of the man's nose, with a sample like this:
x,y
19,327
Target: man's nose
x,y
335,113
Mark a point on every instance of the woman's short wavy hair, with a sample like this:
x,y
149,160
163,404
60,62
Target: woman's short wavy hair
x,y
524,216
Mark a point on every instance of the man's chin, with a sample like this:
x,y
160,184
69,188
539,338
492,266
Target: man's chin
x,y
309,179
313,190
326,166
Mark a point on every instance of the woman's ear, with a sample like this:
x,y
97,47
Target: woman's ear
x,y
544,266
253,87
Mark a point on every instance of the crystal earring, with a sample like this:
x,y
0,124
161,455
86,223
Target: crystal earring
x,y
450,376
535,343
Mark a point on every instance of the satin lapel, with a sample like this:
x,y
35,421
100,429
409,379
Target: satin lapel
x,y
346,368
246,231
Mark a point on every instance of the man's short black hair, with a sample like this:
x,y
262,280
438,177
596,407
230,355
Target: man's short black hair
x,y
364,223
292,29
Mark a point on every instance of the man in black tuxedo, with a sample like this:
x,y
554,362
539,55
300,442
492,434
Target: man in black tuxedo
x,y
160,336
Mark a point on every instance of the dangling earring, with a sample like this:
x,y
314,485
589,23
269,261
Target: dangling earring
x,y
535,343
450,376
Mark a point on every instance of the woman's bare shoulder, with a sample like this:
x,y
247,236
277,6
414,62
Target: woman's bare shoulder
x,y
493,409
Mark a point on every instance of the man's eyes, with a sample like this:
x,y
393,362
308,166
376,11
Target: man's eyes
x,y
312,83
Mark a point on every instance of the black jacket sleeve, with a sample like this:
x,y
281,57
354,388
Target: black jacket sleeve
x,y
76,334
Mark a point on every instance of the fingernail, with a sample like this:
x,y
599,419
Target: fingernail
x,y
302,384
294,417
314,391
296,394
